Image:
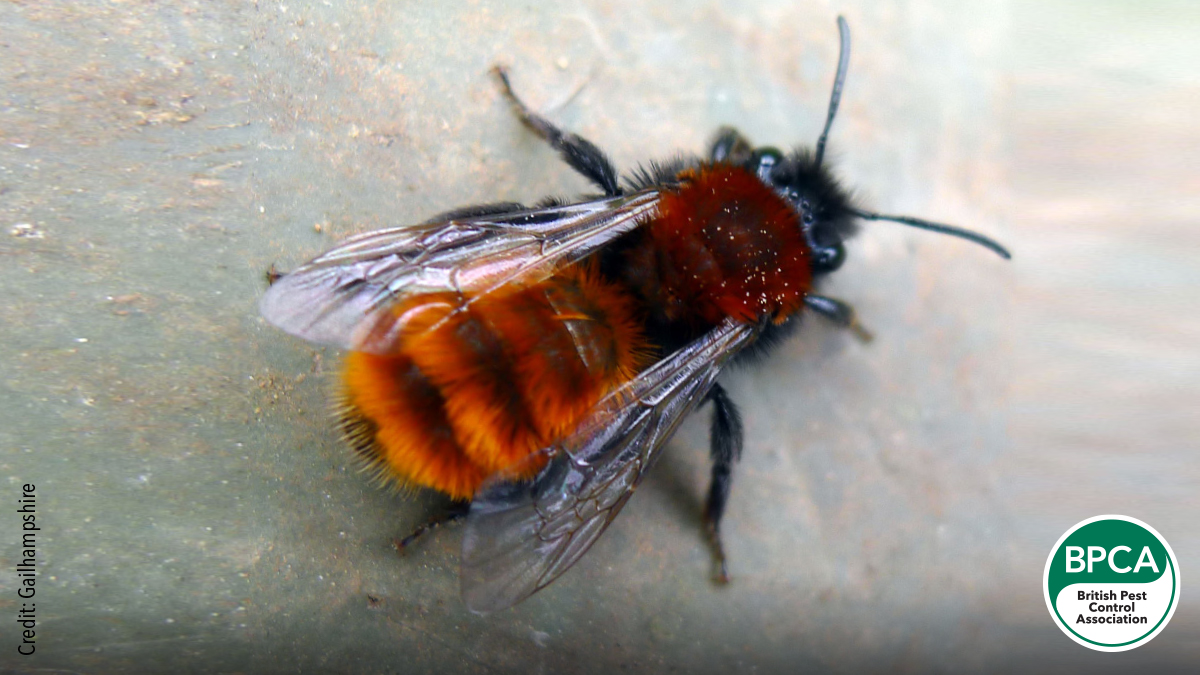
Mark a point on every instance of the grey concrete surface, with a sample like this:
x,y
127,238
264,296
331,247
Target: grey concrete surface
x,y
896,501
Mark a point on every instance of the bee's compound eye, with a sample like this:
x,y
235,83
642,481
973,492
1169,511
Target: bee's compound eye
x,y
829,258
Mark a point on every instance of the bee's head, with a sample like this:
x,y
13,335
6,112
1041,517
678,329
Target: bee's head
x,y
826,212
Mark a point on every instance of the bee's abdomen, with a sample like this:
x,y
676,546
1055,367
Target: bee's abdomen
x,y
476,386
723,244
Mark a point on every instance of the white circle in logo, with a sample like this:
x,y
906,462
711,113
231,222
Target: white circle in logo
x,y
1111,583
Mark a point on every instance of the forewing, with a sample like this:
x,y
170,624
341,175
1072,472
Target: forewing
x,y
342,297
520,536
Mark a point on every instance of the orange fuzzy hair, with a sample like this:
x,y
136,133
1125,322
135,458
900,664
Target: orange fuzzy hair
x,y
724,244
478,387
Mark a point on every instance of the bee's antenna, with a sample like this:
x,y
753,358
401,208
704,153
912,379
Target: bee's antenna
x,y
938,227
838,83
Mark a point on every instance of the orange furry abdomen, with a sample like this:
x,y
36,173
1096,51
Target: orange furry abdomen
x,y
478,385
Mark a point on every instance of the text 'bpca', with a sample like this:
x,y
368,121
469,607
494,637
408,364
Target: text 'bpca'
x,y
1095,554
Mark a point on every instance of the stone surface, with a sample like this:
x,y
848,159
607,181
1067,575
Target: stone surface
x,y
896,501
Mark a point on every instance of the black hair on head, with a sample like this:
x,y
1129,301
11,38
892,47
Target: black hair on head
x,y
816,193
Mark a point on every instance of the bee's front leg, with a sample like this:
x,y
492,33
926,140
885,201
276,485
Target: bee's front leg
x,y
579,153
840,313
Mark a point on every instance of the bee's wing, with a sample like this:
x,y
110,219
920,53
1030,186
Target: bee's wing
x,y
520,536
342,296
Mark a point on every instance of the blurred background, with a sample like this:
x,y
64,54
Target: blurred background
x,y
896,501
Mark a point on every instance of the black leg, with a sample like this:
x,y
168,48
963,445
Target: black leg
x,y
726,439
841,314
476,211
580,153
731,147
454,512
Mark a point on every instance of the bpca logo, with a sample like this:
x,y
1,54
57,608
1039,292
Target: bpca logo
x,y
1111,583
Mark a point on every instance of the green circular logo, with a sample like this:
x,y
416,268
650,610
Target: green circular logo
x,y
1111,583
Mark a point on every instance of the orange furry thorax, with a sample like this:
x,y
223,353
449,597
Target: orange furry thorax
x,y
723,244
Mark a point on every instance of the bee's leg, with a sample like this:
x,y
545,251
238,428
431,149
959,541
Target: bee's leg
x,y
580,153
477,211
841,314
730,146
454,512
726,439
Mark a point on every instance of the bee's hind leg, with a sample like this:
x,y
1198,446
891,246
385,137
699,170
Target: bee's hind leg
x,y
726,440
454,512
579,153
